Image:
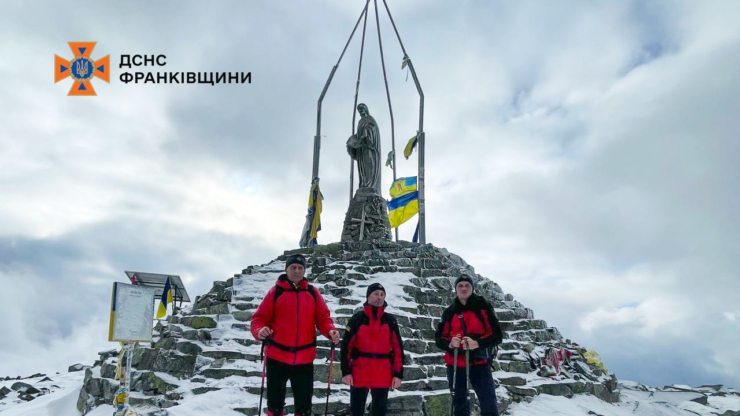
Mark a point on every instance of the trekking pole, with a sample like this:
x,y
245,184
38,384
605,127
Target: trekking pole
x,y
262,386
328,382
467,369
454,383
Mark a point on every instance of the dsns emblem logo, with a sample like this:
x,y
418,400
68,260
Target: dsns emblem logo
x,y
82,69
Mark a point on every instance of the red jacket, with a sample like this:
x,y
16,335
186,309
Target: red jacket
x,y
481,325
372,349
293,313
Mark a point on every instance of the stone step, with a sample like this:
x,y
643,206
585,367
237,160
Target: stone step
x,y
515,366
430,359
204,390
231,355
522,391
242,326
221,373
419,346
215,309
512,356
199,321
523,324
318,408
318,391
510,345
407,405
151,401
534,335
247,342
512,381
245,306
513,314
346,301
428,384
243,316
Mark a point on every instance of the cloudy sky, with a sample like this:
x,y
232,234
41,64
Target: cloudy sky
x,y
581,154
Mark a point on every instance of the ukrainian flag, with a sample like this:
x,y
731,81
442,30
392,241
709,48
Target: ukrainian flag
x,y
410,146
166,299
309,236
405,202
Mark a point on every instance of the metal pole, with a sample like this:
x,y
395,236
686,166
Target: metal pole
x,y
388,94
454,382
317,138
174,299
127,382
420,135
354,107
328,383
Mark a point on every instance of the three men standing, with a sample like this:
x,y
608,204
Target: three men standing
x,y
372,352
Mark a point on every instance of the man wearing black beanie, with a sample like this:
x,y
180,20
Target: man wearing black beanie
x,y
465,278
470,325
372,354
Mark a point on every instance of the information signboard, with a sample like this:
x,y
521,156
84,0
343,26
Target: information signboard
x,y
132,313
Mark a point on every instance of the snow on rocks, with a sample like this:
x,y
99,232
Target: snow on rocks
x,y
204,360
207,349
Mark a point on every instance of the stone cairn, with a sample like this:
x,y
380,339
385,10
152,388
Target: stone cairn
x,y
196,349
366,218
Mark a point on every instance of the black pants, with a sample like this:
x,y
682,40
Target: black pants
x,y
358,396
301,381
482,381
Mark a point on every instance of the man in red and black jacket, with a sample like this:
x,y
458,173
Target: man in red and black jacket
x,y
372,354
470,324
287,320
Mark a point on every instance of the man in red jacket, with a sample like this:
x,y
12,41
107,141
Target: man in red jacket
x,y
372,354
287,320
470,323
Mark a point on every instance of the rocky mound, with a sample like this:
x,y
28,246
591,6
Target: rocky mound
x,y
206,356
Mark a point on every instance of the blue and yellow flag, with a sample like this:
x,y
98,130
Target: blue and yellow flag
x,y
403,186
403,208
405,202
309,236
166,299
410,147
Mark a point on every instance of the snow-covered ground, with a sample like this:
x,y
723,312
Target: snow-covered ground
x,y
636,400
60,401
633,402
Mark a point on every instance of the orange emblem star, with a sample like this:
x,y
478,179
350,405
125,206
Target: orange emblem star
x,y
82,69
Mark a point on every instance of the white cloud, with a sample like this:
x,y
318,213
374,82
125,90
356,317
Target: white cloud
x,y
647,317
581,155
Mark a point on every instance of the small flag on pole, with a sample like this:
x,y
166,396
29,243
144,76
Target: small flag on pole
x,y
165,300
403,186
410,147
309,236
405,202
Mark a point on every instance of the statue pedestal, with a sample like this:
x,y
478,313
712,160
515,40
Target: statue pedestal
x,y
367,217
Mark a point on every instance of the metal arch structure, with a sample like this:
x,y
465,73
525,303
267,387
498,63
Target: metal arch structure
x,y
419,134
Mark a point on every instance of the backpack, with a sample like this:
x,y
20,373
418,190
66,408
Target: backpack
x,y
279,290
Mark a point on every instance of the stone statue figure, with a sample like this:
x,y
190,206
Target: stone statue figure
x,y
364,147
